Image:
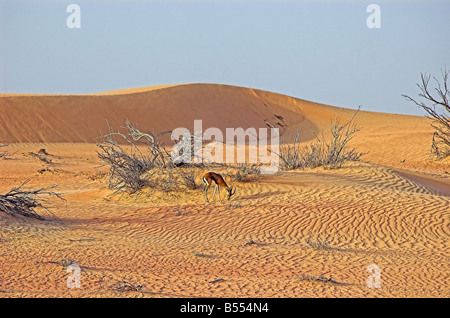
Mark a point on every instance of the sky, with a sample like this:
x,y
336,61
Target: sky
x,y
321,51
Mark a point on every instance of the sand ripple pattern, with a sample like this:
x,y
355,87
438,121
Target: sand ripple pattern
x,y
260,245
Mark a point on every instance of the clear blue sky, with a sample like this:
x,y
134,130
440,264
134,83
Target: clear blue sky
x,y
316,50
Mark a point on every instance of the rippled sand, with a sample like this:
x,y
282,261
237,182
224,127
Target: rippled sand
x,y
391,209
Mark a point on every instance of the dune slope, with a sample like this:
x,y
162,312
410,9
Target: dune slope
x,y
81,118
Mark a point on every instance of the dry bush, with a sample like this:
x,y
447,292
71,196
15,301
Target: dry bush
x,y
25,202
156,150
336,149
132,169
440,146
245,172
176,178
151,165
328,152
292,155
188,177
165,180
125,167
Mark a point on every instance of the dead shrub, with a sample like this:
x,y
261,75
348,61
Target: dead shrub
x,y
132,169
20,202
328,152
245,172
440,146
125,167
188,177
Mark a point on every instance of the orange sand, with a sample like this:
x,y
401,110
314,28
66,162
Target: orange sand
x,y
390,210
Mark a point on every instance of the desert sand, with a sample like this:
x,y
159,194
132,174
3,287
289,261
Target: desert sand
x,y
391,209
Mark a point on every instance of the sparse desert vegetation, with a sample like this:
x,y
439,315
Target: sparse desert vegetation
x,y
136,223
150,164
330,151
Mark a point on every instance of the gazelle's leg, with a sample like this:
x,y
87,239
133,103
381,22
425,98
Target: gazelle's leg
x,y
218,190
215,189
205,190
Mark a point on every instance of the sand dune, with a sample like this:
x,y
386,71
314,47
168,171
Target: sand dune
x,y
81,118
391,209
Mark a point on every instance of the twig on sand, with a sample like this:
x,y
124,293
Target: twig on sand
x,y
319,278
65,262
125,286
202,255
217,280
82,239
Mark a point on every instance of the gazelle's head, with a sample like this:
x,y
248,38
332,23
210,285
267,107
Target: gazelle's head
x,y
231,192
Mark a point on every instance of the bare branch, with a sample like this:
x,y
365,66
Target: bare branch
x,y
441,121
5,154
24,202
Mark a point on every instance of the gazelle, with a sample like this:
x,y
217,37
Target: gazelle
x,y
219,181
